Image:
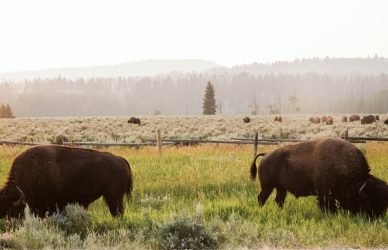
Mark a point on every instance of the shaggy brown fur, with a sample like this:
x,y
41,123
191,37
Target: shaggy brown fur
x,y
329,120
278,118
53,176
134,120
246,119
353,118
368,119
315,120
332,169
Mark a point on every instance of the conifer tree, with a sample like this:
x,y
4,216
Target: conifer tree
x,y
209,102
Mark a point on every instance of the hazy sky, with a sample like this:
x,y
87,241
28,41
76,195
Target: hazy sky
x,y
44,34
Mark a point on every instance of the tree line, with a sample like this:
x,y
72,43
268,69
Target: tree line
x,y
182,94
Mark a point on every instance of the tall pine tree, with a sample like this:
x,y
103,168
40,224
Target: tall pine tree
x,y
209,102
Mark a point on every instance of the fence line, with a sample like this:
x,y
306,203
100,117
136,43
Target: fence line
x,y
236,141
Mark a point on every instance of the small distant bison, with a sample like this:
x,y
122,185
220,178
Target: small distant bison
x,y
334,170
134,120
278,118
386,122
354,118
246,119
369,119
344,118
48,178
315,120
329,120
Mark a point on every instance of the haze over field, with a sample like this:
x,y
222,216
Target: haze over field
x,y
91,58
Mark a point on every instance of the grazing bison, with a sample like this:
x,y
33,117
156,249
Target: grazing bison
x,y
386,122
353,118
134,120
332,169
329,120
315,120
368,119
246,119
344,118
48,178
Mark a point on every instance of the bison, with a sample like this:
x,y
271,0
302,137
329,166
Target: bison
x,y
377,117
368,119
134,120
353,118
315,120
246,119
386,122
278,118
329,120
344,118
334,170
48,178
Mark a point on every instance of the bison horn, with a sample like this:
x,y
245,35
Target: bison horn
x,y
361,189
21,200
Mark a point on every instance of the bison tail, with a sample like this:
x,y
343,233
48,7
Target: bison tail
x,y
130,183
253,166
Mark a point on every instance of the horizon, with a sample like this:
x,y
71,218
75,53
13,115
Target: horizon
x,y
46,35
375,56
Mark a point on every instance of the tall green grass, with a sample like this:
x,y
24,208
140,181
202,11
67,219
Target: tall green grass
x,y
202,197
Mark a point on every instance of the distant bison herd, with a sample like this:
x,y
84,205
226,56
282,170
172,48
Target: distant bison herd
x,y
47,178
328,120
368,119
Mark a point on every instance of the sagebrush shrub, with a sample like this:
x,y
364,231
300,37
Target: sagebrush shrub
x,y
73,220
186,234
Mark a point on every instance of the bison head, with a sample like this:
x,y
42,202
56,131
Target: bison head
x,y
373,197
12,202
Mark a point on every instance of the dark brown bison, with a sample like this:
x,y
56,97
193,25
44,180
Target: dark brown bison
x,y
134,120
344,118
386,122
329,120
368,119
246,119
278,118
353,118
332,169
48,178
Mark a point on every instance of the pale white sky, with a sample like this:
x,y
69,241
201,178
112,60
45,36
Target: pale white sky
x,y
45,34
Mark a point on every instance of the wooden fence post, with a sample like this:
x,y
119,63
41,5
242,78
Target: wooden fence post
x,y
159,142
346,134
255,144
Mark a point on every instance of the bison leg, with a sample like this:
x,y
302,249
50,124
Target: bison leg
x,y
326,201
115,204
280,196
263,196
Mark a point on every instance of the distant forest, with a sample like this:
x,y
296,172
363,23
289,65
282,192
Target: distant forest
x,y
303,86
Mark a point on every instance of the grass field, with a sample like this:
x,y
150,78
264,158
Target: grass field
x,y
199,197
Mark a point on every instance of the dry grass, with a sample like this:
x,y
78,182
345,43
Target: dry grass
x,y
116,129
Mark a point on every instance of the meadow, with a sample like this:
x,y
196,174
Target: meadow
x,y
197,197
220,127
